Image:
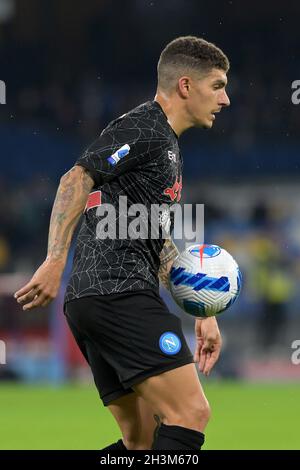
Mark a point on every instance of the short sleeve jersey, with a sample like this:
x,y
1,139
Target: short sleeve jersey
x,y
135,161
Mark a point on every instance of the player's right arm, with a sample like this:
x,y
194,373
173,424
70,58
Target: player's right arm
x,y
70,201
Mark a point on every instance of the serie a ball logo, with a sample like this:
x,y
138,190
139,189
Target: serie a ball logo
x,y
205,280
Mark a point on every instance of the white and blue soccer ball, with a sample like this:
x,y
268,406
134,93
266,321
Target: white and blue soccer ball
x,y
205,280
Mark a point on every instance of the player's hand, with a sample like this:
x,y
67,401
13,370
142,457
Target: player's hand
x,y
209,342
42,288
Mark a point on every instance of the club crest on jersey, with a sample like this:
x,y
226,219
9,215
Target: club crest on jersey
x,y
116,157
175,191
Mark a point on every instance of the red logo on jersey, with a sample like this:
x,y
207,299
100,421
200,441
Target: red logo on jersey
x,y
94,200
175,191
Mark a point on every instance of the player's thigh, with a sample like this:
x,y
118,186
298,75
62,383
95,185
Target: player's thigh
x,y
105,377
135,417
175,392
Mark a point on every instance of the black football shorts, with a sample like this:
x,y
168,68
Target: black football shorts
x,y
126,338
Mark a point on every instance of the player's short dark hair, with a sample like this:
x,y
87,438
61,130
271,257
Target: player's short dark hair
x,y
187,54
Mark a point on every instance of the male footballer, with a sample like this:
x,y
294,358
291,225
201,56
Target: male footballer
x,y
112,302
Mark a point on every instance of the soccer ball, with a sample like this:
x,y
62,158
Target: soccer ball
x,y
205,280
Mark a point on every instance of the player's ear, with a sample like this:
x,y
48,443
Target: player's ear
x,y
184,87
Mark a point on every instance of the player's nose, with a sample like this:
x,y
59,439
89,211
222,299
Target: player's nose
x,y
225,101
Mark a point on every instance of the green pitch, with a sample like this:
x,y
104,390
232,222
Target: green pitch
x,y
244,417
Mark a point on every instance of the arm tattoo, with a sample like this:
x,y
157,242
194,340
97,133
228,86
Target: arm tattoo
x,y
167,257
70,201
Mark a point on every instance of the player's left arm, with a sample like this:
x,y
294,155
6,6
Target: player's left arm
x,y
167,257
208,343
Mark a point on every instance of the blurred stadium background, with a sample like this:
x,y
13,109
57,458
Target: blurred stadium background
x,y
69,68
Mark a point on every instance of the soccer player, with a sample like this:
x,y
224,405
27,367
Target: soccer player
x,y
112,301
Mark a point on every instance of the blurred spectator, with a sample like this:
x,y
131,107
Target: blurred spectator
x,y
274,287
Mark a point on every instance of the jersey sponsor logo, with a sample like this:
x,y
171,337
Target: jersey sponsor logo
x,y
175,191
121,153
94,200
169,343
172,156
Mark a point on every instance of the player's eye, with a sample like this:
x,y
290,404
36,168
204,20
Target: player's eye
x,y
218,86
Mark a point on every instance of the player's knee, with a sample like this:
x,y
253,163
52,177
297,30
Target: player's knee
x,y
204,413
194,416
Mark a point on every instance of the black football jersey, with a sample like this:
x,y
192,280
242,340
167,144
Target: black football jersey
x,y
135,160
